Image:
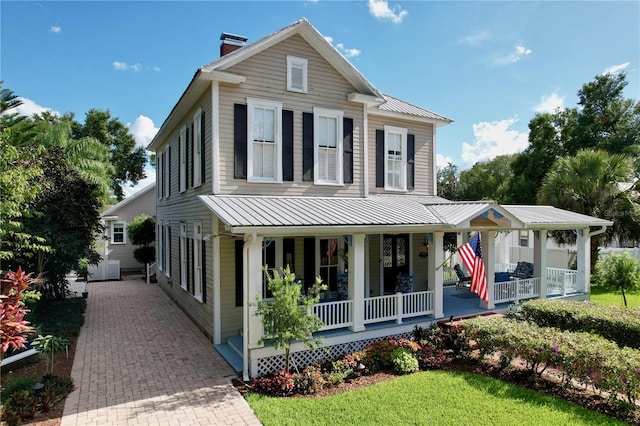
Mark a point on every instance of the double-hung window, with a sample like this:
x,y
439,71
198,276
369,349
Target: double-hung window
x,y
184,265
327,137
264,153
329,261
118,233
395,158
197,148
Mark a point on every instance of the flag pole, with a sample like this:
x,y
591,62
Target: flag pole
x,y
457,248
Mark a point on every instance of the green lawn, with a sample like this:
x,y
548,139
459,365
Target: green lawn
x,y
602,296
430,398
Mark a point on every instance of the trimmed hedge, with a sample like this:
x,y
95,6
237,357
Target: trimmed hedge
x,y
586,358
621,325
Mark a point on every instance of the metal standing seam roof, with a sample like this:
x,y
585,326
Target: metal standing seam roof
x,y
261,211
392,104
552,216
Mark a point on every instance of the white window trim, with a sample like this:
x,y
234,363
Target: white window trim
x,y
124,232
197,155
183,158
184,263
338,115
167,250
261,103
403,166
197,261
167,172
296,61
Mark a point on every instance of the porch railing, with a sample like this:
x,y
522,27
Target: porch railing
x,y
336,314
397,306
561,281
516,290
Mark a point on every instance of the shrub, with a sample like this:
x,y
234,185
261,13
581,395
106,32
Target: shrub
x,y
17,385
430,358
309,381
620,325
63,318
279,384
404,361
377,355
432,335
618,272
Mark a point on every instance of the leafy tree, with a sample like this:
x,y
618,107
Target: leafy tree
x,y
142,232
603,120
288,318
448,182
127,159
589,183
486,180
9,119
619,272
67,216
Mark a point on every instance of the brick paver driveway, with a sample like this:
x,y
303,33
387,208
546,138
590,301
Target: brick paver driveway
x,y
141,361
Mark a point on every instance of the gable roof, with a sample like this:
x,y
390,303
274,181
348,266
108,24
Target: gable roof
x,y
217,71
114,208
549,217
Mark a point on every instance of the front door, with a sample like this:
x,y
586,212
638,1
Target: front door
x,y
395,259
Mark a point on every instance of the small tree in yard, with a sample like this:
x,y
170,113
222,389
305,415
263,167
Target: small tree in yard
x,y
619,272
288,317
13,327
142,232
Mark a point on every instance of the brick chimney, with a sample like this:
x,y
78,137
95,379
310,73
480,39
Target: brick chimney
x,y
231,42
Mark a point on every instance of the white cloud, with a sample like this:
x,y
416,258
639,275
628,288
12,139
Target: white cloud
x,y
151,178
348,52
614,69
143,130
123,66
518,53
55,29
475,39
29,108
380,9
493,139
443,161
329,39
550,103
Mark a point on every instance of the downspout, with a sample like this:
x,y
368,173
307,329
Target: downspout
x,y
245,306
598,231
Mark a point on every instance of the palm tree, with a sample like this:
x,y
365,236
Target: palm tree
x,y
598,184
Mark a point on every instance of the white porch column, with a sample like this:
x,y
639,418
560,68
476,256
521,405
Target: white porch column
x,y
436,258
357,280
215,243
583,275
540,260
252,260
488,242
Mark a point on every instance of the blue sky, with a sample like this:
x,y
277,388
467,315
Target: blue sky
x,y
489,66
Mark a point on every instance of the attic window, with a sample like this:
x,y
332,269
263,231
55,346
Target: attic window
x,y
296,74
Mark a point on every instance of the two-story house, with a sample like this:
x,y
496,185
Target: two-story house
x,y
281,153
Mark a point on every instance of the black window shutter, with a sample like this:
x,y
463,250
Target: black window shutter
x,y
161,174
240,141
380,158
347,147
239,275
309,276
411,147
180,260
203,140
187,160
204,271
169,246
307,146
188,265
287,145
191,268
192,154
169,170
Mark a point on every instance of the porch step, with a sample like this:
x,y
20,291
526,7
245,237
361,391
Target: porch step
x,y
231,356
235,342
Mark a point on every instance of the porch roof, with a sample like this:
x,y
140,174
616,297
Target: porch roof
x,y
246,213
322,215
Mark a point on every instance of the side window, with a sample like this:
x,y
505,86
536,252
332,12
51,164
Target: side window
x,y
264,150
328,137
118,233
297,74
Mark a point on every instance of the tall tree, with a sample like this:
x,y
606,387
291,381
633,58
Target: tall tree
x,y
127,159
594,183
448,182
603,119
486,180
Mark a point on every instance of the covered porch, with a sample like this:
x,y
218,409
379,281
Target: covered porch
x,y
371,304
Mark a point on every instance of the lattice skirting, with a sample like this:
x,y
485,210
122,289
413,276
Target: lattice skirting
x,y
303,359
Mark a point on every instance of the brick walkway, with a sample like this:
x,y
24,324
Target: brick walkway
x,y
141,361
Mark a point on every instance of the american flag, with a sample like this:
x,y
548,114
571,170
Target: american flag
x,y
471,254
